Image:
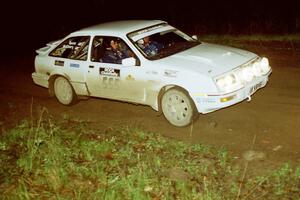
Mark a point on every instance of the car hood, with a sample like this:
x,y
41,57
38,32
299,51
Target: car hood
x,y
210,59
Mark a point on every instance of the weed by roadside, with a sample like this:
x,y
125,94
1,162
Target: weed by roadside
x,y
279,42
47,159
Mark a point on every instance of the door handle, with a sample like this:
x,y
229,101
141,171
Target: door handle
x,y
91,66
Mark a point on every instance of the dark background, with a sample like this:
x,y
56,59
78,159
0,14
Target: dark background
x,y
28,25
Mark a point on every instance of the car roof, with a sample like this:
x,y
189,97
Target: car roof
x,y
117,27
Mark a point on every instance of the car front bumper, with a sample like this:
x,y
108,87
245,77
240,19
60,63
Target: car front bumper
x,y
210,103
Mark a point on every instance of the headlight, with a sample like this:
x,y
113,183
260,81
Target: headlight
x,y
264,65
255,69
244,74
228,83
261,67
247,74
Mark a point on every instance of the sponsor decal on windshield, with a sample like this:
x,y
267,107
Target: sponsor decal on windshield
x,y
150,29
132,35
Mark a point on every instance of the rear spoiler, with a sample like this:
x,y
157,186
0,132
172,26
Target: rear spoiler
x,y
44,50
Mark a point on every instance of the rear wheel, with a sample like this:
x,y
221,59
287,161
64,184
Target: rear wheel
x,y
178,108
64,91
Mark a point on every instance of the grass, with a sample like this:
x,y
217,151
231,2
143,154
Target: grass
x,y
47,159
287,41
254,37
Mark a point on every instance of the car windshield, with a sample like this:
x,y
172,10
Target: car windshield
x,y
162,44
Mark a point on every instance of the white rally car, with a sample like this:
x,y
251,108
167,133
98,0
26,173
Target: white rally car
x,y
181,77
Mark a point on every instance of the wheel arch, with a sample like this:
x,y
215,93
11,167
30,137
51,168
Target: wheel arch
x,y
52,79
166,88
181,89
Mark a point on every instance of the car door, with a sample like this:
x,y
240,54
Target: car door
x,y
113,80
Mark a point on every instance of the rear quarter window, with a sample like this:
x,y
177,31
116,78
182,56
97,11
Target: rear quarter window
x,y
73,48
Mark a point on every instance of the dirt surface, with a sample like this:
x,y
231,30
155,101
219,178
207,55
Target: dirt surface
x,y
269,124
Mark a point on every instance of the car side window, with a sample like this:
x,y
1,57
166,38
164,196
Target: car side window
x,y
110,50
73,48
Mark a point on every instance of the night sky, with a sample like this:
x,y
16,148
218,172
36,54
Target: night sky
x,y
36,23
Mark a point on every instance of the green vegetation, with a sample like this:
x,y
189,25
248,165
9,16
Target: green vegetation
x,y
253,37
290,41
68,160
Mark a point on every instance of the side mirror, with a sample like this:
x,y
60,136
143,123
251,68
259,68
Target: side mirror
x,y
195,37
129,61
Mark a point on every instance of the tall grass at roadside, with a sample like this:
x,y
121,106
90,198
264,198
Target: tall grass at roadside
x,y
252,37
290,41
68,160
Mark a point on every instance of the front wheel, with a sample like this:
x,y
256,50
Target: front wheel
x,y
64,91
178,108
